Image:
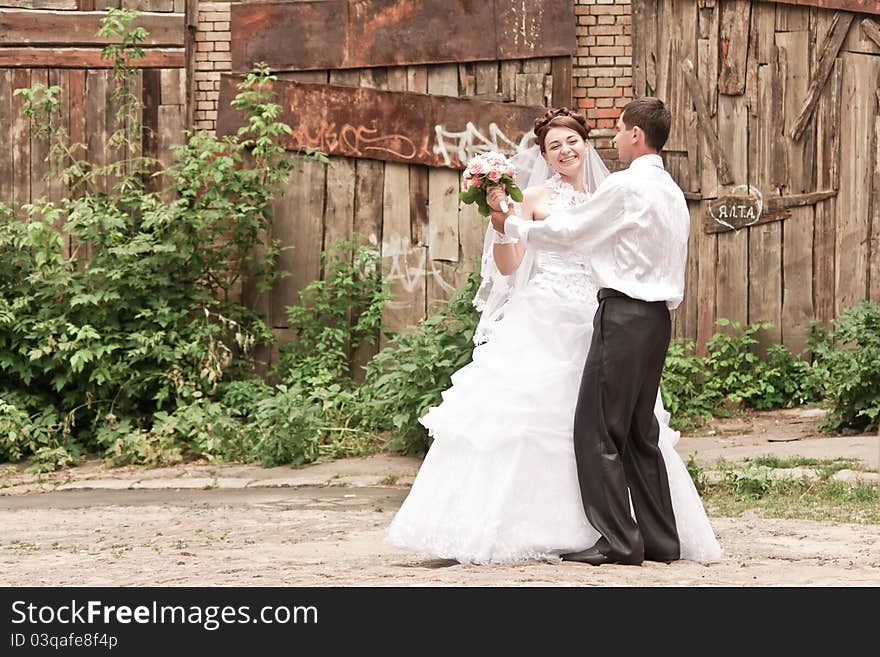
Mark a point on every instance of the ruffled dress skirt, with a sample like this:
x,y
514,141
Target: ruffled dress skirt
x,y
499,483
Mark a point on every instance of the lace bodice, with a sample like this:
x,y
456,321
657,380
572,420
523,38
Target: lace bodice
x,y
566,273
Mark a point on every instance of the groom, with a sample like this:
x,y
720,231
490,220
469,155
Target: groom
x,y
634,230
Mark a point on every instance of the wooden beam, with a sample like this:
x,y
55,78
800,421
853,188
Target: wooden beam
x,y
836,35
735,212
777,203
79,28
860,6
85,58
70,5
190,27
871,30
705,124
734,46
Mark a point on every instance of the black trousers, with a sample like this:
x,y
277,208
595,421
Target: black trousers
x,y
616,433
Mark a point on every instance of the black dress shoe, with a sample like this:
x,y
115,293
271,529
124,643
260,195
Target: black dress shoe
x,y
591,556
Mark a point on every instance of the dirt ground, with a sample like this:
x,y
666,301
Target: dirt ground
x,y
235,525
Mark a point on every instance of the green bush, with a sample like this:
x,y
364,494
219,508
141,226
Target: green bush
x,y
122,344
406,378
731,375
846,371
686,386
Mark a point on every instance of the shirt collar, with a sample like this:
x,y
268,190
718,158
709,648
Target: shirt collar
x,y
649,160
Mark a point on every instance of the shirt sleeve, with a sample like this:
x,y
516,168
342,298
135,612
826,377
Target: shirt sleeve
x,y
584,227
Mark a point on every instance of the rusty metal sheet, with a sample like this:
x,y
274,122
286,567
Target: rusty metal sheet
x,y
334,34
285,33
535,28
395,126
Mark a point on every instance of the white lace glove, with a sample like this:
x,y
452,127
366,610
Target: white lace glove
x,y
501,238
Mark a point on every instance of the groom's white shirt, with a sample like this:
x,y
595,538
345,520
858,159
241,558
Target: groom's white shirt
x,y
634,229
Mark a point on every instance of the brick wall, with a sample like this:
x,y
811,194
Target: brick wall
x,y
212,57
602,71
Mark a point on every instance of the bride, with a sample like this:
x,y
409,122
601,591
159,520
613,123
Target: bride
x,y
499,483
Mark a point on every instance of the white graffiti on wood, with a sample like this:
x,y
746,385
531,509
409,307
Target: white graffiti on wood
x,y
470,141
408,263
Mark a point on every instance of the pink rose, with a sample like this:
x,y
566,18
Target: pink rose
x,y
476,182
475,169
465,183
494,176
510,172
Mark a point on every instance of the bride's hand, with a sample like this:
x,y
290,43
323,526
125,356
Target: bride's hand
x,y
494,196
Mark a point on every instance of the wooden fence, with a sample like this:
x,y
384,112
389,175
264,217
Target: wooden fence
x,y
777,135
54,42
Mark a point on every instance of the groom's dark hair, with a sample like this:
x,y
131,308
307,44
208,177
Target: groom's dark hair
x,y
651,115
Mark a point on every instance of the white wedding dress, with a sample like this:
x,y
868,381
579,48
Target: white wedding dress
x,y
499,483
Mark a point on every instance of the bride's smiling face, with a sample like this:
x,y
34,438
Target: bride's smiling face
x,y
565,150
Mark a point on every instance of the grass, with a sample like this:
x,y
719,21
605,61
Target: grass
x,y
753,487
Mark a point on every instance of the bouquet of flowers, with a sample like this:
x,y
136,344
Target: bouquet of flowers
x,y
487,170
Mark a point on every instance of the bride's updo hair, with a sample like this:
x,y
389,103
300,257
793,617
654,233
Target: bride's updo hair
x,y
559,118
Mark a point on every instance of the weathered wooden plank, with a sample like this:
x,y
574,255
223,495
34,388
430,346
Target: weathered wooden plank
x,y
39,149
78,113
486,79
443,184
874,245
704,122
98,88
863,6
792,18
734,41
797,267
417,81
403,264
69,5
191,27
707,271
769,168
173,86
21,141
297,223
339,211
871,30
171,121
369,33
7,174
18,57
861,74
676,94
530,88
509,71
79,28
561,92
60,117
764,26
152,98
641,9
830,48
732,293
707,54
689,308
765,281
396,126
796,46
